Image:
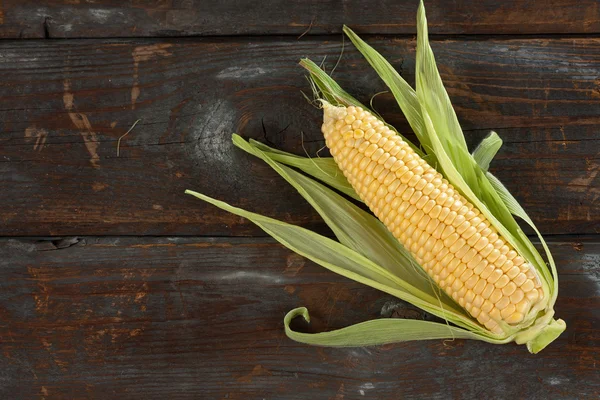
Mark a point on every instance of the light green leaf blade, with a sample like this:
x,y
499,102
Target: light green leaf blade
x,y
379,331
342,260
330,91
485,152
323,168
431,92
360,231
403,93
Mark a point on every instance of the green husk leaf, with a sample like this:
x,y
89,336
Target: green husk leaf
x,y
379,331
360,231
331,92
404,94
485,152
458,166
323,168
344,261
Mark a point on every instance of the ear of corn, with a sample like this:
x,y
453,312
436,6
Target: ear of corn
x,y
444,239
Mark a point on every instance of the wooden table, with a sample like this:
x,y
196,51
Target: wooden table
x,y
114,284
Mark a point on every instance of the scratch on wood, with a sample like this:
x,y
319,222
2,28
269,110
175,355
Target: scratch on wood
x,y
145,53
258,370
584,184
82,123
38,133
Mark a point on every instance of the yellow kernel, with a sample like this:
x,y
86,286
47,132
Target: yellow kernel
x,y
469,256
516,296
457,245
520,279
507,311
523,306
472,281
359,133
527,286
488,270
481,284
494,276
487,306
487,291
493,255
502,303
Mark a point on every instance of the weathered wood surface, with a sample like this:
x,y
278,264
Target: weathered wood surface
x,y
202,318
116,18
63,105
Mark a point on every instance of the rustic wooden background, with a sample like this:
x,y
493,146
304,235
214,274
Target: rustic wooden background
x,y
113,284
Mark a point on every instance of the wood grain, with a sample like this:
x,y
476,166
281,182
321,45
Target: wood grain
x,y
115,18
63,106
186,318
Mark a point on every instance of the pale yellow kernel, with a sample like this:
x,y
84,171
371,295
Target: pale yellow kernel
x,y
516,296
394,185
422,202
469,297
493,255
462,228
488,271
378,170
408,193
508,311
471,281
523,306
416,217
365,125
475,311
474,239
450,217
527,286
483,317
359,133
371,149
469,232
487,291
349,119
432,226
420,184
487,306
414,179
501,260
374,138
382,141
377,154
407,176
515,318
466,275
498,244
532,295
504,249
447,231
494,313
428,206
457,220
339,123
463,210
437,233
415,197
502,281
518,260
492,237
457,284
462,251
428,188
390,162
481,284
520,279
434,193
435,211
441,199
480,267
494,276
389,178
389,145
460,242
453,264
511,255
513,272
481,243
438,246
502,303
469,256
460,268
509,289
469,215
477,301
450,240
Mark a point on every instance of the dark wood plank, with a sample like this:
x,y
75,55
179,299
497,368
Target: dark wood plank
x,y
64,105
115,18
202,318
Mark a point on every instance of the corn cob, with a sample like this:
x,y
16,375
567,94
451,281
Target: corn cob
x,y
453,242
